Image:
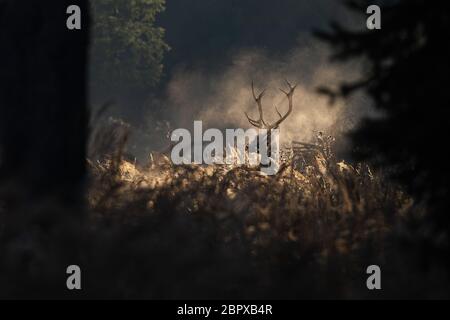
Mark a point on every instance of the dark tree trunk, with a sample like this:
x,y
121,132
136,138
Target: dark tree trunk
x,y
43,98
43,132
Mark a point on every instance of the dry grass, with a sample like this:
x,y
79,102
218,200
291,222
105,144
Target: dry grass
x,y
164,231
316,215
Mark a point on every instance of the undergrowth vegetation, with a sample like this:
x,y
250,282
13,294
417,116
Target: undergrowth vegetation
x,y
231,231
157,230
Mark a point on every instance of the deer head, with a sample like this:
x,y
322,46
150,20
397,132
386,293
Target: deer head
x,y
261,123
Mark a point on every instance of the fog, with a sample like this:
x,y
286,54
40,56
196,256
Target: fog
x,y
213,83
220,98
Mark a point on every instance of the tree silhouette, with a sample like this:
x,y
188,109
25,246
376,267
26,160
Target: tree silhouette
x,y
43,114
406,70
43,133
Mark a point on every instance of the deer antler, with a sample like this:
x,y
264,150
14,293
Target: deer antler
x,y
260,123
289,94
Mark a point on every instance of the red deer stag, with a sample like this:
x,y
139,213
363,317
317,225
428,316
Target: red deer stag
x,y
263,124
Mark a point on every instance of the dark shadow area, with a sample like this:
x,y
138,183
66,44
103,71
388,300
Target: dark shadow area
x,y
406,69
